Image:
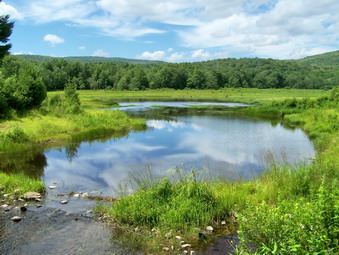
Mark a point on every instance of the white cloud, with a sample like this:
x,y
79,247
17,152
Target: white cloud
x,y
53,39
175,57
6,9
100,53
81,47
156,55
22,53
162,56
266,28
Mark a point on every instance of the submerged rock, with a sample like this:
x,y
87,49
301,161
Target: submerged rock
x,y
32,195
63,202
23,208
16,218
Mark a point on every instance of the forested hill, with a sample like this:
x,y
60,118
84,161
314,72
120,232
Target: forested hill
x,y
325,59
56,73
87,59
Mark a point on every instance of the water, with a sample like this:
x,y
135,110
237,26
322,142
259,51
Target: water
x,y
225,146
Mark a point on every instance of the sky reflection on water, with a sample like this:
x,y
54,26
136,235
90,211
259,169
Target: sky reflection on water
x,y
228,146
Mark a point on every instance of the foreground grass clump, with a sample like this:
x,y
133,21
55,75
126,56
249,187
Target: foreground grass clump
x,y
177,205
18,184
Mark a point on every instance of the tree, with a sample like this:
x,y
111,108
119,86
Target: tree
x,y
5,32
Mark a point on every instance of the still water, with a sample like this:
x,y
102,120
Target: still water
x,y
225,146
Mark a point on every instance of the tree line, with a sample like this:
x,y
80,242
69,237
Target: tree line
x,y
215,74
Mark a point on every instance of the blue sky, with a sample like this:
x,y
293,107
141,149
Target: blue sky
x,y
174,30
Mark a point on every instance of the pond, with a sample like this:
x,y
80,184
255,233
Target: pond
x,y
222,145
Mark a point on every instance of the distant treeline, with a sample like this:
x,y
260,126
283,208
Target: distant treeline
x,y
224,73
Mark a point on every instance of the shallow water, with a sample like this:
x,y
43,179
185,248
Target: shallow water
x,y
228,146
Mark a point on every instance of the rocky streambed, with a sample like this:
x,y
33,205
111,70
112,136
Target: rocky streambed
x,y
33,226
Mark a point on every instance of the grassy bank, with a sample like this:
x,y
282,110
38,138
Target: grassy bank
x,y
38,128
104,99
286,210
19,184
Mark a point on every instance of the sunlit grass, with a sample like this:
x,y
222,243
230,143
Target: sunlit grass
x,y
19,184
37,128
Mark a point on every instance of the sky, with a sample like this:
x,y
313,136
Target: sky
x,y
174,30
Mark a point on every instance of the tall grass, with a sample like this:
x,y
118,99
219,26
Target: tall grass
x,y
18,184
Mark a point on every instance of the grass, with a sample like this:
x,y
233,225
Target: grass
x,y
286,210
37,128
104,99
19,184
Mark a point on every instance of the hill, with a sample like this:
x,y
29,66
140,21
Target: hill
x,y
87,59
325,59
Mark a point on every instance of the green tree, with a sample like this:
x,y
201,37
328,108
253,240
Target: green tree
x,y
6,28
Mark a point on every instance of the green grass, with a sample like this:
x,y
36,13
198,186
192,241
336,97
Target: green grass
x,y
18,184
104,99
37,128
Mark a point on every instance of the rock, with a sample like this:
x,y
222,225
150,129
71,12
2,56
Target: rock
x,y
137,229
23,208
6,195
21,200
63,202
85,195
76,195
166,249
153,230
4,206
192,253
185,246
185,252
38,205
32,195
52,187
210,229
38,200
178,237
16,218
202,235
223,223
168,235
89,211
